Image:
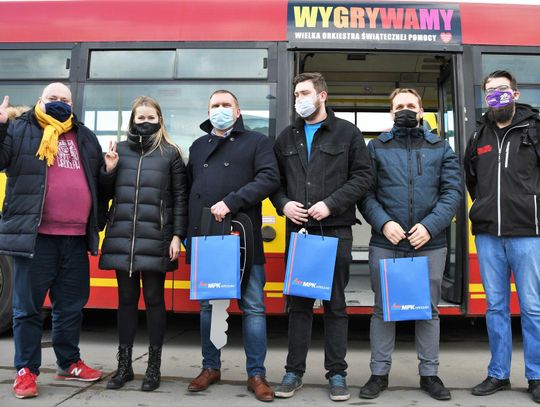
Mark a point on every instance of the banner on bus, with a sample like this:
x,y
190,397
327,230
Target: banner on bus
x,y
356,24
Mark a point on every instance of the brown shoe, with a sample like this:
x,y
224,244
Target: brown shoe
x,y
261,388
205,379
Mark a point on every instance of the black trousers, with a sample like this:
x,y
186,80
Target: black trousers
x,y
336,320
129,289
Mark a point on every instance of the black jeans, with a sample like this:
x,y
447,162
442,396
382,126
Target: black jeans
x,y
336,320
129,290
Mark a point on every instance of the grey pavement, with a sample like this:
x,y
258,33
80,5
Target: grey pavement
x,y
464,357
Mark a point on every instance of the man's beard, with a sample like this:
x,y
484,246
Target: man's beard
x,y
502,114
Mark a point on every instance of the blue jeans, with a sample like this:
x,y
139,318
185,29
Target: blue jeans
x,y
253,326
497,256
60,267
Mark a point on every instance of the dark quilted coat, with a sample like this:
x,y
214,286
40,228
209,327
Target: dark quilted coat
x,y
26,179
149,207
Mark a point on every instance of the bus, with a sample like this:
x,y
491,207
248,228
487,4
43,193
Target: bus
x,y
110,51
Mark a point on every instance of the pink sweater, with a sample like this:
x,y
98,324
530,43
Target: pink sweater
x,y
67,198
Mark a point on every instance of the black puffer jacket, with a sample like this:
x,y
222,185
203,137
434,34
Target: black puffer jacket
x,y
149,206
23,203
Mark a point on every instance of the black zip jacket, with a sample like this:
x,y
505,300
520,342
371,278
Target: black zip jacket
x,y
26,180
503,177
338,172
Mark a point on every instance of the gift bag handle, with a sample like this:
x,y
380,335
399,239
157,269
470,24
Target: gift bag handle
x,y
222,230
305,232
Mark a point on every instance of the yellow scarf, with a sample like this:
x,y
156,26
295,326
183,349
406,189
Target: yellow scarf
x,y
52,129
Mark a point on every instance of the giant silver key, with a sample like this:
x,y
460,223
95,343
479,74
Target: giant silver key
x,y
218,323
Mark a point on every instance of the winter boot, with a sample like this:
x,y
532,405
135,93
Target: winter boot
x,y
124,373
152,376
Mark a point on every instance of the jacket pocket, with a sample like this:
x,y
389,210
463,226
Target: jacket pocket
x,y
419,163
161,214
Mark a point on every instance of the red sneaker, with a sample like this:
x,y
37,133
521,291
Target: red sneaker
x,y
25,384
79,371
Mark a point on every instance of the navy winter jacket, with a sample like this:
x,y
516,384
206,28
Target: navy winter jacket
x,y
239,169
417,180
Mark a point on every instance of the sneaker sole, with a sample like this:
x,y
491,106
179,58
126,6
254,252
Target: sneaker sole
x,y
506,387
69,378
340,398
286,395
26,396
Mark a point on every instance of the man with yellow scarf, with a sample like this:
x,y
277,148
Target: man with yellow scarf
x,y
49,224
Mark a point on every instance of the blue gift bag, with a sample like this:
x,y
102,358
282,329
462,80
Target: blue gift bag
x,y
215,267
310,266
405,288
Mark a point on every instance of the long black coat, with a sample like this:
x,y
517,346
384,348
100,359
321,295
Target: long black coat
x,y
149,207
23,204
240,170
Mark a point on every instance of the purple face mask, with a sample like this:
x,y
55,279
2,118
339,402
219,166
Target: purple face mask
x,y
498,99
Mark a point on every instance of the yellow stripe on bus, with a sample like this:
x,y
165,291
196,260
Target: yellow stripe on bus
x,y
478,296
170,284
479,288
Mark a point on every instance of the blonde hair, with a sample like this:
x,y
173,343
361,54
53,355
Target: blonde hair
x,y
404,90
15,111
161,136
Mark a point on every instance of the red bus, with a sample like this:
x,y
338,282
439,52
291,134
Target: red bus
x,y
178,52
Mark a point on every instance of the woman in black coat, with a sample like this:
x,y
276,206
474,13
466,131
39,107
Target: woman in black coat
x,y
146,178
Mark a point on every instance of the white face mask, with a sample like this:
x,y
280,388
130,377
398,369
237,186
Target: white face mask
x,y
222,118
305,107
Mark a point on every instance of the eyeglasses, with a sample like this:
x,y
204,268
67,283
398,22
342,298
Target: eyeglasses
x,y
502,88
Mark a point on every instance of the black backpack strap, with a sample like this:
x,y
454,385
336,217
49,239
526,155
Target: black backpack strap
x,y
473,147
533,135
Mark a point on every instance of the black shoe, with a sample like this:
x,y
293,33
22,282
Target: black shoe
x,y
374,386
534,389
152,377
124,373
490,385
434,386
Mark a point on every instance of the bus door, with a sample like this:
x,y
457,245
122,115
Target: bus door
x,y
449,116
359,84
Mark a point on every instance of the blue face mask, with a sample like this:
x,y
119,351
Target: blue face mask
x,y
222,117
59,110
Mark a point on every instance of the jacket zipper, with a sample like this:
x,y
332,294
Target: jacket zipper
x,y
419,162
507,153
410,170
536,213
499,147
43,197
135,210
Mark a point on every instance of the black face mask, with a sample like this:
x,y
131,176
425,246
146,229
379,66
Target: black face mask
x,y
145,128
59,110
405,118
